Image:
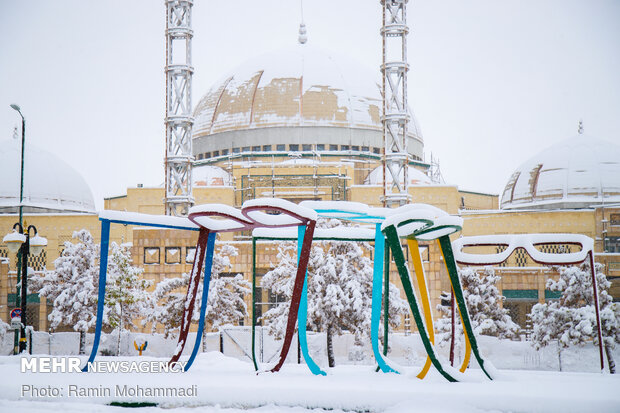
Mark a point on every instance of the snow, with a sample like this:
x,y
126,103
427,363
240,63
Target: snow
x,y
206,216
230,385
282,219
14,237
525,241
167,221
580,170
49,182
415,176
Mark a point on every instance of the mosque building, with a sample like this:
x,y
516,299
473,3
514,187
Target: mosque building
x,y
301,124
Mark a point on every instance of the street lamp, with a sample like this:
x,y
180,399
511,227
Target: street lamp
x,y
22,243
21,197
21,185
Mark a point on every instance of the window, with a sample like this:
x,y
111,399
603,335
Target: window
x,y
306,147
612,244
320,147
235,150
293,147
355,148
216,153
207,155
190,254
280,147
255,148
275,299
365,148
521,257
266,148
246,149
224,152
333,147
173,255
151,255
200,156
614,219
376,150
498,250
344,147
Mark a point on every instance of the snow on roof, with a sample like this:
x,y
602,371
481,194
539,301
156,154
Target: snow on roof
x,y
416,177
210,175
574,173
49,183
296,86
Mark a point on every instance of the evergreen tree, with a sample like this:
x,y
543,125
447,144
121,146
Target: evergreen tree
x,y
339,289
225,304
72,286
483,300
571,320
126,291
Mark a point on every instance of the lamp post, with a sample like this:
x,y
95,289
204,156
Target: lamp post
x,y
21,243
21,185
21,199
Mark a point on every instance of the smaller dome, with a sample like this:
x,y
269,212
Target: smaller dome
x,y
575,173
416,177
208,175
50,185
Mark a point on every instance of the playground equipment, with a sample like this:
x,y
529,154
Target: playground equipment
x,y
352,211
140,348
254,213
424,222
529,243
208,220
276,219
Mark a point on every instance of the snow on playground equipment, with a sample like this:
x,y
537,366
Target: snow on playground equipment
x,y
528,243
125,218
269,218
213,218
210,219
343,210
424,222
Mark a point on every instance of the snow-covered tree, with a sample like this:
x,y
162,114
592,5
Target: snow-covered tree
x,y
225,304
571,320
126,291
339,289
4,327
483,300
72,286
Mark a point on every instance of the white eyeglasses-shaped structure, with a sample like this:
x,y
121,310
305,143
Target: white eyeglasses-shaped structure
x,y
528,243
417,222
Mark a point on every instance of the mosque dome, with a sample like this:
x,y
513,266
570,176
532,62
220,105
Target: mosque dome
x,y
296,99
577,172
50,185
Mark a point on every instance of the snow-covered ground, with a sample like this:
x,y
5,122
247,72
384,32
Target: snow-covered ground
x,y
227,384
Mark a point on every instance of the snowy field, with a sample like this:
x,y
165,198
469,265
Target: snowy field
x,y
227,384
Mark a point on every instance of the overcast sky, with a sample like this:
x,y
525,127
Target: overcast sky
x,y
491,82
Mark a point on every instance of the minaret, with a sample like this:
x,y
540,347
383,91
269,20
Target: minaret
x,y
179,70
395,117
